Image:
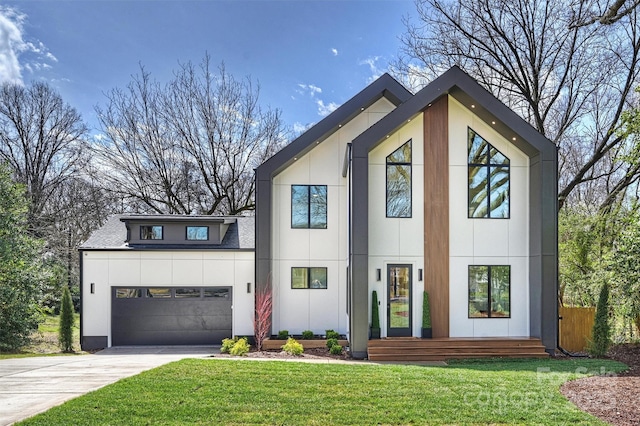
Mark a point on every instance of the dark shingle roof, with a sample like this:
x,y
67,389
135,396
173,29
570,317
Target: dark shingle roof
x,y
113,234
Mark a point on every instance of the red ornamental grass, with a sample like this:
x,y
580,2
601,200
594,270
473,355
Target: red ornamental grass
x,y
262,317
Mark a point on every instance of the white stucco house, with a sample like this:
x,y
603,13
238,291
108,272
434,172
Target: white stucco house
x,y
446,191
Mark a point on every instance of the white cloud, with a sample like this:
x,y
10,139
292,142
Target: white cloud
x,y
16,54
11,44
324,110
372,63
299,128
310,89
334,51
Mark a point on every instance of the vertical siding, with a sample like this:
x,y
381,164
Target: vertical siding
x,y
436,214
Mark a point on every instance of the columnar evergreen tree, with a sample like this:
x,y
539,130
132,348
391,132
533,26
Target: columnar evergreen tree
x,y
65,337
601,338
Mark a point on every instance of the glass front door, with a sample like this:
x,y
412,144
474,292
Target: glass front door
x,y
398,300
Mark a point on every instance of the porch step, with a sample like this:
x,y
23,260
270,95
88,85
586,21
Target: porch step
x,y
440,349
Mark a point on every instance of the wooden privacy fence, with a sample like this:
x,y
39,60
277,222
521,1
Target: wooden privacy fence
x,y
575,327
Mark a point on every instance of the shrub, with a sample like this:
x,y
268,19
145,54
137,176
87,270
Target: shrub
x,y
292,347
426,311
227,344
375,313
240,348
332,334
601,336
283,334
307,335
335,349
331,342
65,333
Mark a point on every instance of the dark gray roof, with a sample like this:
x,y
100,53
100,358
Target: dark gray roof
x,y
471,94
384,87
113,234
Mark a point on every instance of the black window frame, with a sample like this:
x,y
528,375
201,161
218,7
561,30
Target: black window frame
x,y
152,226
186,230
487,166
310,223
489,301
386,171
309,277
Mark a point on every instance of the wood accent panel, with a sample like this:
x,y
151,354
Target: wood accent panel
x,y
440,349
436,213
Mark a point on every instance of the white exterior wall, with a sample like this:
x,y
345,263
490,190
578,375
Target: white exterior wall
x,y
317,310
397,240
107,269
486,241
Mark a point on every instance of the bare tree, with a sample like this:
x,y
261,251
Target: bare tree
x,y
189,146
603,12
572,83
41,138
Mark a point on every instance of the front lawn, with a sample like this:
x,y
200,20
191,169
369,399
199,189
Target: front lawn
x,y
275,392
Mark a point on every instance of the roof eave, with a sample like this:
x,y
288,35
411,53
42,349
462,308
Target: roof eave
x,y
385,86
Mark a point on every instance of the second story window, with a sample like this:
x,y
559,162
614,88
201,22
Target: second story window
x,y
151,232
399,182
488,179
197,233
309,206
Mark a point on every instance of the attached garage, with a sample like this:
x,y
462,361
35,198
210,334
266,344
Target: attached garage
x,y
170,316
167,280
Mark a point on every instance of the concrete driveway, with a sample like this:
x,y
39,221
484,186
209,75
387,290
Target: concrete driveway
x,y
29,386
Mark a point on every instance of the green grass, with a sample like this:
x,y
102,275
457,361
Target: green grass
x,y
249,392
44,341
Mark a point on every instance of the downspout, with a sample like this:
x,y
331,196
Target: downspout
x,y
346,172
560,348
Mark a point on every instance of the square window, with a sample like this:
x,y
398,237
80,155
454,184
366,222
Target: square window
x,y
197,233
489,291
151,232
309,206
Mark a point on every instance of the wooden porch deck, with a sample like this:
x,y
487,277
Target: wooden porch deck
x,y
443,348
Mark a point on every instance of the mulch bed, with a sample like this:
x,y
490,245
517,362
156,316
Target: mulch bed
x,y
612,398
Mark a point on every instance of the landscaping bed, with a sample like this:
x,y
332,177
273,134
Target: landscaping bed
x,y
612,398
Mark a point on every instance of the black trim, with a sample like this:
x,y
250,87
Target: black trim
x,y
186,232
309,197
309,268
410,164
489,268
400,332
488,166
152,226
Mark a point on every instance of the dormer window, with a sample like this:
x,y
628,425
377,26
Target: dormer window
x,y
151,232
197,233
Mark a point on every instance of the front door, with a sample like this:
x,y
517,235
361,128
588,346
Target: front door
x,y
398,300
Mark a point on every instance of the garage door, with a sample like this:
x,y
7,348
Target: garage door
x,y
170,316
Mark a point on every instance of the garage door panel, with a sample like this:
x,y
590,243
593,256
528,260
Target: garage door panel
x,y
171,321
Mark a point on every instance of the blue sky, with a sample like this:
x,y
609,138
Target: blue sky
x,y
309,56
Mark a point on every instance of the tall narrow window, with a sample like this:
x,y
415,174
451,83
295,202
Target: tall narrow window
x,y
309,206
399,182
488,179
490,291
151,232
